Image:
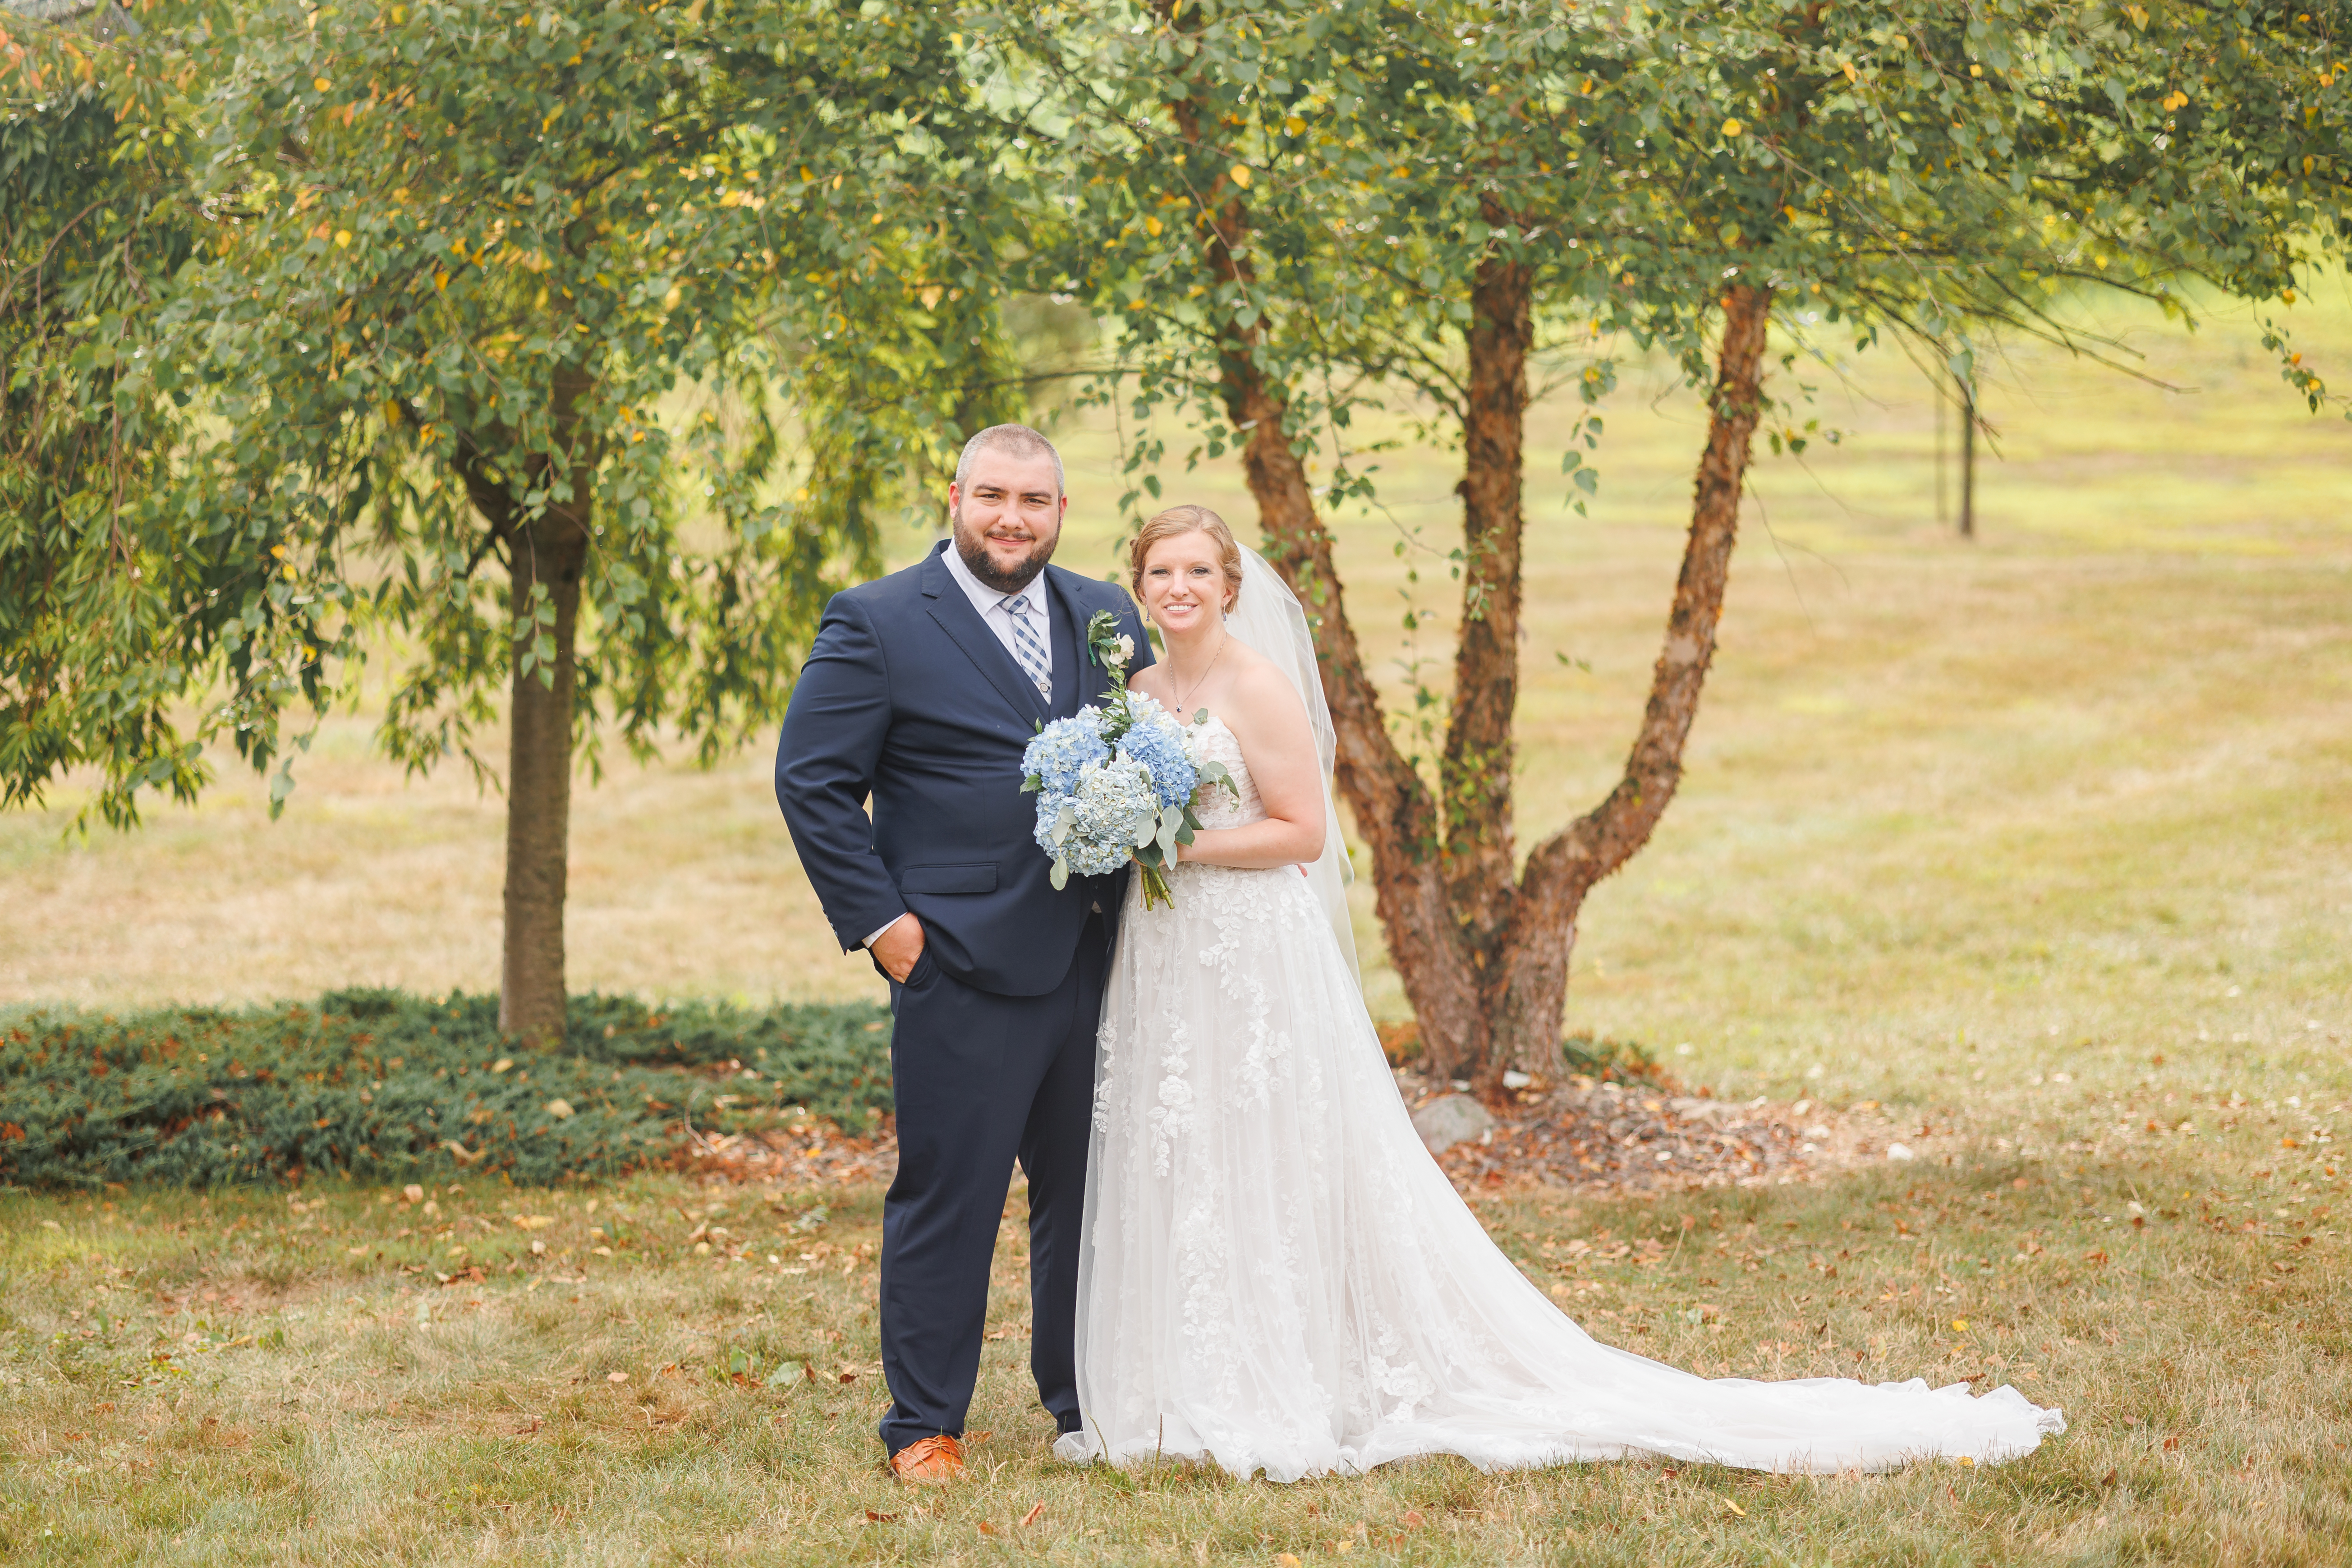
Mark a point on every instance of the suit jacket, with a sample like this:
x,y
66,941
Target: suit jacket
x,y
906,697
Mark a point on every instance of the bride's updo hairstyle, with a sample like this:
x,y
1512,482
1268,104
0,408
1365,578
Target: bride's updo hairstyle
x,y
1174,523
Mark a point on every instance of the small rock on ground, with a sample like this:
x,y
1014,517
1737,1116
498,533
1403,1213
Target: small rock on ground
x,y
1449,1120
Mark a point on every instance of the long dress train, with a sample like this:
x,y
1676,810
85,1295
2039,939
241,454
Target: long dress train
x,y
1278,1276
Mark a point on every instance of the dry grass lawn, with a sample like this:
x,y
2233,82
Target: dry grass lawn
x,y
2043,844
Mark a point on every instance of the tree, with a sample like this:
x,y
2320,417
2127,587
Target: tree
x,y
495,287
93,224
1410,192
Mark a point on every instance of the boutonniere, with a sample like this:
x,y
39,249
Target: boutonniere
x,y
1111,649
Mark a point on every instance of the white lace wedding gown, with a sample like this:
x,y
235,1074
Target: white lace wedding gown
x,y
1277,1274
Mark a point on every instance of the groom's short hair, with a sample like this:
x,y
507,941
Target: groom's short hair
x,y
1016,439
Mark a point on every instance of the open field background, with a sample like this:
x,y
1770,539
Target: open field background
x,y
2044,844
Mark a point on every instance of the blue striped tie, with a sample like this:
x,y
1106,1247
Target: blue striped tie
x,y
1025,646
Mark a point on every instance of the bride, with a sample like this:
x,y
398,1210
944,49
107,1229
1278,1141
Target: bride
x,y
1276,1274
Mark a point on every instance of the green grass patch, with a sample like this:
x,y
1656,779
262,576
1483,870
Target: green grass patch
x,y
380,1084
688,1372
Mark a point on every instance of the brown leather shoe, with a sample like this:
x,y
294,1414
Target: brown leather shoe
x,y
929,1461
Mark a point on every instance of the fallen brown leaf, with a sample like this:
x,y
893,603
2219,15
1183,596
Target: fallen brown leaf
x,y
1033,1515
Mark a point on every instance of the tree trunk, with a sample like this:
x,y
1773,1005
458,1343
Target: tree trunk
x,y
1483,958
1474,773
550,554
546,555
1967,459
1563,869
1393,809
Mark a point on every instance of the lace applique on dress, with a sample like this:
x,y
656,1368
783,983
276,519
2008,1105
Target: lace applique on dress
x,y
1278,1276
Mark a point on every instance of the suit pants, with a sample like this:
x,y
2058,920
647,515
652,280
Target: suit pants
x,y
981,1079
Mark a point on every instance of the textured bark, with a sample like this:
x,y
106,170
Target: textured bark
x,y
549,549
539,790
1474,773
1563,869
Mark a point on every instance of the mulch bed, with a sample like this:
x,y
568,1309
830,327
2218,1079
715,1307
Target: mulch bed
x,y
1605,1139
1599,1138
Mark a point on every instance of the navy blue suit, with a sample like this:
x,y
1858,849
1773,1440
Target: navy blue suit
x,y
908,699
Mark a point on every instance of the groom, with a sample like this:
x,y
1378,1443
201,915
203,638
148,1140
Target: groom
x,y
921,692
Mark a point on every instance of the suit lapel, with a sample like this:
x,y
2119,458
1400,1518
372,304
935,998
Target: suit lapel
x,y
1085,681
952,610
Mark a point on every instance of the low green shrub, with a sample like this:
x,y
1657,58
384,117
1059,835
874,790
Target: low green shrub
x,y
383,1084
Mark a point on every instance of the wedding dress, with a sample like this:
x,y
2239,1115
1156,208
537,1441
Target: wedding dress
x,y
1276,1276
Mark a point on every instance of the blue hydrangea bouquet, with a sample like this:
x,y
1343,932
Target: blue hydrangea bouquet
x,y
1114,781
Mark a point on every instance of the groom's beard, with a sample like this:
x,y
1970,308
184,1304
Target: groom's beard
x,y
974,548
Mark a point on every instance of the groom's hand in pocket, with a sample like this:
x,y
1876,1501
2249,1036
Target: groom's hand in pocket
x,y
898,946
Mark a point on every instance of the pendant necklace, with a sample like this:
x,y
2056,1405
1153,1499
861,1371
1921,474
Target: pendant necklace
x,y
1221,640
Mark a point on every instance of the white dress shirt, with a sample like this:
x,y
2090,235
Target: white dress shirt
x,y
990,604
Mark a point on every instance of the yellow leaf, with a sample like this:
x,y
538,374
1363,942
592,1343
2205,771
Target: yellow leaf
x,y
321,83
559,1109
1295,125
1151,227
501,1065
533,1221
342,239
1735,1508
1240,175
1960,1325
1732,128
930,294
